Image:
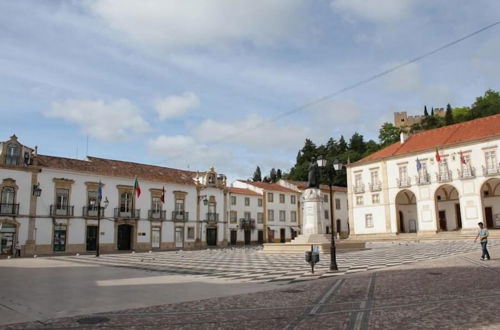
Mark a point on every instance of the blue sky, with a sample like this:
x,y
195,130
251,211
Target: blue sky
x,y
194,83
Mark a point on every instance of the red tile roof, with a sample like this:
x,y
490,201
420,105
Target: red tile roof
x,y
271,186
243,191
302,185
117,168
468,131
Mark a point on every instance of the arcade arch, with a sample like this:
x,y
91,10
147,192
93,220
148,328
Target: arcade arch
x,y
448,208
490,199
406,211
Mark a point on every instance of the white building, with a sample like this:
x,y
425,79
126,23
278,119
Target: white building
x,y
281,208
445,179
63,218
340,211
246,216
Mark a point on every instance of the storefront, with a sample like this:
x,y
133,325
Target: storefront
x,y
7,238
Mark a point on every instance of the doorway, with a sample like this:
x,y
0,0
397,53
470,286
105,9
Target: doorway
x,y
155,237
261,237
124,237
248,237
339,226
401,222
488,217
282,235
59,238
442,221
212,236
459,216
7,236
179,237
234,237
91,238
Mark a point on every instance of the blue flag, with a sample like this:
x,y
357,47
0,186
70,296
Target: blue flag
x,y
419,165
99,192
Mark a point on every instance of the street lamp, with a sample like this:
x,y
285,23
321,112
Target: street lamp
x,y
106,203
331,171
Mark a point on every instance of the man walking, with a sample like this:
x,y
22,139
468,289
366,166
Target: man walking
x,y
482,234
18,250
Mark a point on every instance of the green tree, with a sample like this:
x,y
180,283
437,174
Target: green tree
x,y
257,175
371,147
388,134
426,114
272,175
357,143
461,114
342,145
279,174
486,105
448,115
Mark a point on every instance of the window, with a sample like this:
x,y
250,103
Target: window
x,y
325,198
156,204
375,199
270,215
403,173
270,197
92,200
443,167
337,203
179,205
125,202
359,200
260,217
259,202
247,215
7,200
282,216
293,199
491,159
233,216
12,156
466,168
62,196
327,216
190,233
233,200
357,180
374,177
293,216
247,201
282,198
368,221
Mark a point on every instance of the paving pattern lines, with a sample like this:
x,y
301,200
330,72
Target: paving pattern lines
x,y
251,266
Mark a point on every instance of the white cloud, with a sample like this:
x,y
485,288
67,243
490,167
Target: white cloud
x,y
374,10
189,23
176,105
253,132
115,120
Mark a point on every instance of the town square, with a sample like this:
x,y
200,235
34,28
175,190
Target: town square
x,y
215,164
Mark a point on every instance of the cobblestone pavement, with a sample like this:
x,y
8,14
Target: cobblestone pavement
x,y
251,266
454,292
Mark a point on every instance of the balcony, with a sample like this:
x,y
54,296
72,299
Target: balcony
x,y
359,188
444,176
423,179
488,171
469,173
91,212
127,214
247,224
404,182
180,216
62,210
212,217
9,209
160,215
375,186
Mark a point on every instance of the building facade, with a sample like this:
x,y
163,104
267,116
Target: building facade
x,y
445,179
246,216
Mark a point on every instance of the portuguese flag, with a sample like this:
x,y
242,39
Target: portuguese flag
x,y
137,189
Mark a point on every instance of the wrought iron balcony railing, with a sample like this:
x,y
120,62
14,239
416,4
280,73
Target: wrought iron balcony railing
x,y
62,210
91,211
375,186
444,176
9,209
157,215
212,217
423,179
127,213
487,171
180,216
247,224
468,173
359,188
404,182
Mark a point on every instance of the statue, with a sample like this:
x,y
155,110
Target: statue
x,y
313,176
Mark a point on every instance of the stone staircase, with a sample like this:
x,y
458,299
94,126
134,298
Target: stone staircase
x,y
303,243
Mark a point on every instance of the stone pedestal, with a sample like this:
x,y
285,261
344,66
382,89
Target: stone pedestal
x,y
313,212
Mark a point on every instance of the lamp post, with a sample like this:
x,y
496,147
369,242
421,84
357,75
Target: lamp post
x,y
331,170
106,203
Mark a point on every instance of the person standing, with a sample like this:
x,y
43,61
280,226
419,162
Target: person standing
x,y
18,250
482,234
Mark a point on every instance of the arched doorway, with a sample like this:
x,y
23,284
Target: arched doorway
x,y
406,210
449,216
490,198
124,240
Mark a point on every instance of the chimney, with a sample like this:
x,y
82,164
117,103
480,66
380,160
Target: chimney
x,y
403,137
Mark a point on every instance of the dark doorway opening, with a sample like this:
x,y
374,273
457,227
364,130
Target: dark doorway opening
x,y
442,221
261,237
212,236
91,238
488,216
339,226
282,235
234,237
248,237
124,237
459,216
401,222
